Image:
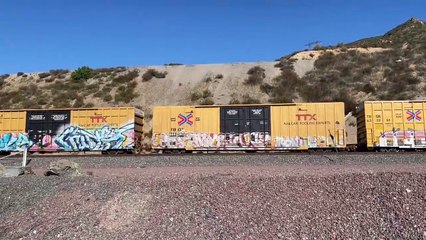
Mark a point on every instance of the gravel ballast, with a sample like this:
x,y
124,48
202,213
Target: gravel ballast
x,y
220,197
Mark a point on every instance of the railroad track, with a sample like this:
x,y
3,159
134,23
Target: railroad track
x,y
212,153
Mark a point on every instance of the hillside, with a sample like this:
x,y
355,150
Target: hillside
x,y
387,67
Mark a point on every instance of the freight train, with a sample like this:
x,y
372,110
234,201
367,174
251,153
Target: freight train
x,y
379,125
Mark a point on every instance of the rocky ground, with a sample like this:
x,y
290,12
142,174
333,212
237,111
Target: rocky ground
x,y
220,197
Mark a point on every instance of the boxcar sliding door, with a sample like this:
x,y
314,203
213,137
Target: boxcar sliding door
x,y
246,126
43,127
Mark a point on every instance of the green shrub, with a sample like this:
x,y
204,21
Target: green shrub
x,y
234,101
4,76
61,102
99,94
219,76
125,94
42,100
82,73
284,87
368,88
249,100
89,105
151,73
107,70
285,64
91,88
79,102
106,89
56,72
20,74
266,88
318,47
126,77
325,60
256,76
107,98
207,93
196,95
43,75
207,101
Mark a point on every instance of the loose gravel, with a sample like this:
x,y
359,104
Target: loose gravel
x,y
221,197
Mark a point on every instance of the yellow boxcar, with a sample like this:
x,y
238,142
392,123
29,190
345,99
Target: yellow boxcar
x,y
249,127
392,124
185,127
12,130
85,129
308,125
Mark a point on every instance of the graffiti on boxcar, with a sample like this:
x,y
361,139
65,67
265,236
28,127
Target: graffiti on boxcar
x,y
397,138
210,140
254,140
75,138
301,142
14,142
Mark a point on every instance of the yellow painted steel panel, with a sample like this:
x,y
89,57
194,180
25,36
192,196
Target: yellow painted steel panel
x,y
398,124
97,118
207,120
175,119
308,125
12,122
166,119
185,127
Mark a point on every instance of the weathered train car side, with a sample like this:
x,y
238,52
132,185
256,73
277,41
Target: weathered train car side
x,y
249,127
94,129
392,125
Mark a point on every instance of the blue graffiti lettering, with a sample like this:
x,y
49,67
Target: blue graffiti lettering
x,y
14,142
75,138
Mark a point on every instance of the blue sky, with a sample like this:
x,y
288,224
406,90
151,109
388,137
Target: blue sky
x,y
52,34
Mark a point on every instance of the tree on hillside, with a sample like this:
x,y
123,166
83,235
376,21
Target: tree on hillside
x,y
82,73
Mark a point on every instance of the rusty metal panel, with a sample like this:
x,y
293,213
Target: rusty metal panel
x,y
308,125
395,124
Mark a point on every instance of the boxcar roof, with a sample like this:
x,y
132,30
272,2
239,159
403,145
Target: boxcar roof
x,y
248,105
54,109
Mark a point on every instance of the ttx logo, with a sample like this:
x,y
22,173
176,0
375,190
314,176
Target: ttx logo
x,y
98,118
306,117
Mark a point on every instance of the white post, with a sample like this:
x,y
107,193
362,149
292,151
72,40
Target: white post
x,y
24,157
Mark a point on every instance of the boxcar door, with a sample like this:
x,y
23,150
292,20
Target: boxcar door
x,y
44,126
250,125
